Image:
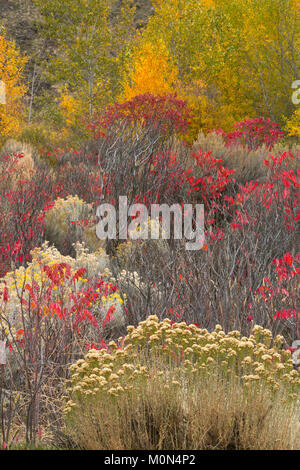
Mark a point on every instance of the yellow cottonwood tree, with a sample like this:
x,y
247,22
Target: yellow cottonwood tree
x,y
151,71
200,107
245,53
167,58
11,70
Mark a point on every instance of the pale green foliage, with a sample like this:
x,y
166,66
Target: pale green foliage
x,y
89,49
71,220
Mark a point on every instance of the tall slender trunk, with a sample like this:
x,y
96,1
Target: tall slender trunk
x,y
32,94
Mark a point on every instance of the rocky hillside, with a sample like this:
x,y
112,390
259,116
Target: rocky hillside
x,y
19,19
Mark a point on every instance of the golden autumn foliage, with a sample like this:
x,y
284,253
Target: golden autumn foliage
x,y
71,111
293,124
11,71
200,106
151,71
230,60
243,54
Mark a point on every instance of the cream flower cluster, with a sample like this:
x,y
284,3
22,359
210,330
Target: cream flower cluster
x,y
97,265
62,220
191,353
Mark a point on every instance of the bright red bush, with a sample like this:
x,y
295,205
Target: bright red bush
x,y
253,133
166,114
23,207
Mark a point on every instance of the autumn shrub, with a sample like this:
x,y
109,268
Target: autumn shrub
x,y
159,115
77,173
290,148
28,192
209,182
93,264
175,386
220,282
279,295
131,143
69,221
20,158
50,313
23,208
248,164
253,133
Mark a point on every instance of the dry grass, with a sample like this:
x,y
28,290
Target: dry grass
x,y
208,414
22,167
249,165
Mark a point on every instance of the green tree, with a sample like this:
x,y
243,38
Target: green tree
x,y
260,42
89,38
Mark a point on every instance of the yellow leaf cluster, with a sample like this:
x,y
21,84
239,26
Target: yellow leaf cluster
x,y
293,124
11,70
152,71
69,107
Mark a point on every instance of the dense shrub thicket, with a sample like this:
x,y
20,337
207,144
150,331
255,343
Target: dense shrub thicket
x,y
141,343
